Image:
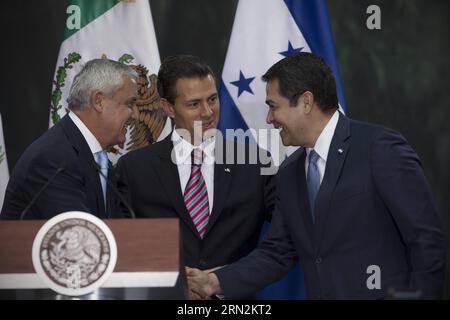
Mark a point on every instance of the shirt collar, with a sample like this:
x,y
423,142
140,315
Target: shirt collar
x,y
183,149
323,143
91,140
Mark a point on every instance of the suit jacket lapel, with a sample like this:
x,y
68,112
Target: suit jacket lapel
x,y
86,157
223,174
112,200
168,174
93,183
336,157
299,204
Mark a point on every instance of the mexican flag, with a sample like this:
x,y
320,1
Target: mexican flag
x,y
4,173
117,30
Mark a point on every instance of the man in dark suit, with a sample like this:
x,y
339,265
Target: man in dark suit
x,y
70,156
221,204
353,207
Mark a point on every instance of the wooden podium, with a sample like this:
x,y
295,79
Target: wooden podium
x,y
148,261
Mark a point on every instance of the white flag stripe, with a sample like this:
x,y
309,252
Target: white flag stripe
x,y
262,30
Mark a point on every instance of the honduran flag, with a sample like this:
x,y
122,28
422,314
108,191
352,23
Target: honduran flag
x,y
264,32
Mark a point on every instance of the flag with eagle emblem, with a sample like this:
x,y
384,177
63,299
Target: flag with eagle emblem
x,y
117,30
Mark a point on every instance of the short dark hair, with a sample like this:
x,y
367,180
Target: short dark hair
x,y
176,67
302,72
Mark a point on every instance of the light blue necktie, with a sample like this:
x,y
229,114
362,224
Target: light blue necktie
x,y
313,180
102,160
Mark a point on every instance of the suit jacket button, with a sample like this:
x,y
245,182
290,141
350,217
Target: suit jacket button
x,y
319,260
202,263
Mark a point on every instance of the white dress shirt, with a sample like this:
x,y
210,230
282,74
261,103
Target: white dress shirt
x,y
322,145
91,140
182,156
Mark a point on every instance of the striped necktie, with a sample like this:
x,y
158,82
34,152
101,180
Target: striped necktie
x,y
196,195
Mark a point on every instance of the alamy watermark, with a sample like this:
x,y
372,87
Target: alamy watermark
x,y
73,21
374,279
373,22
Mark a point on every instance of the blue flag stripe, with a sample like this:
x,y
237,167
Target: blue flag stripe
x,y
311,18
230,116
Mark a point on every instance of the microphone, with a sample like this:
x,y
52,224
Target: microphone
x,y
113,187
58,170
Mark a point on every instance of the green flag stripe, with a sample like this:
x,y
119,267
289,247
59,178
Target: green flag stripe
x,y
89,11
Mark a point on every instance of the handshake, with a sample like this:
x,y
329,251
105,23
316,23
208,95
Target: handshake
x,y
202,284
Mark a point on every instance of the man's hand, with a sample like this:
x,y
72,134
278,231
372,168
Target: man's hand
x,y
202,284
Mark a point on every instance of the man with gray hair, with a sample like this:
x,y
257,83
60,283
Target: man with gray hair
x,y
67,167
